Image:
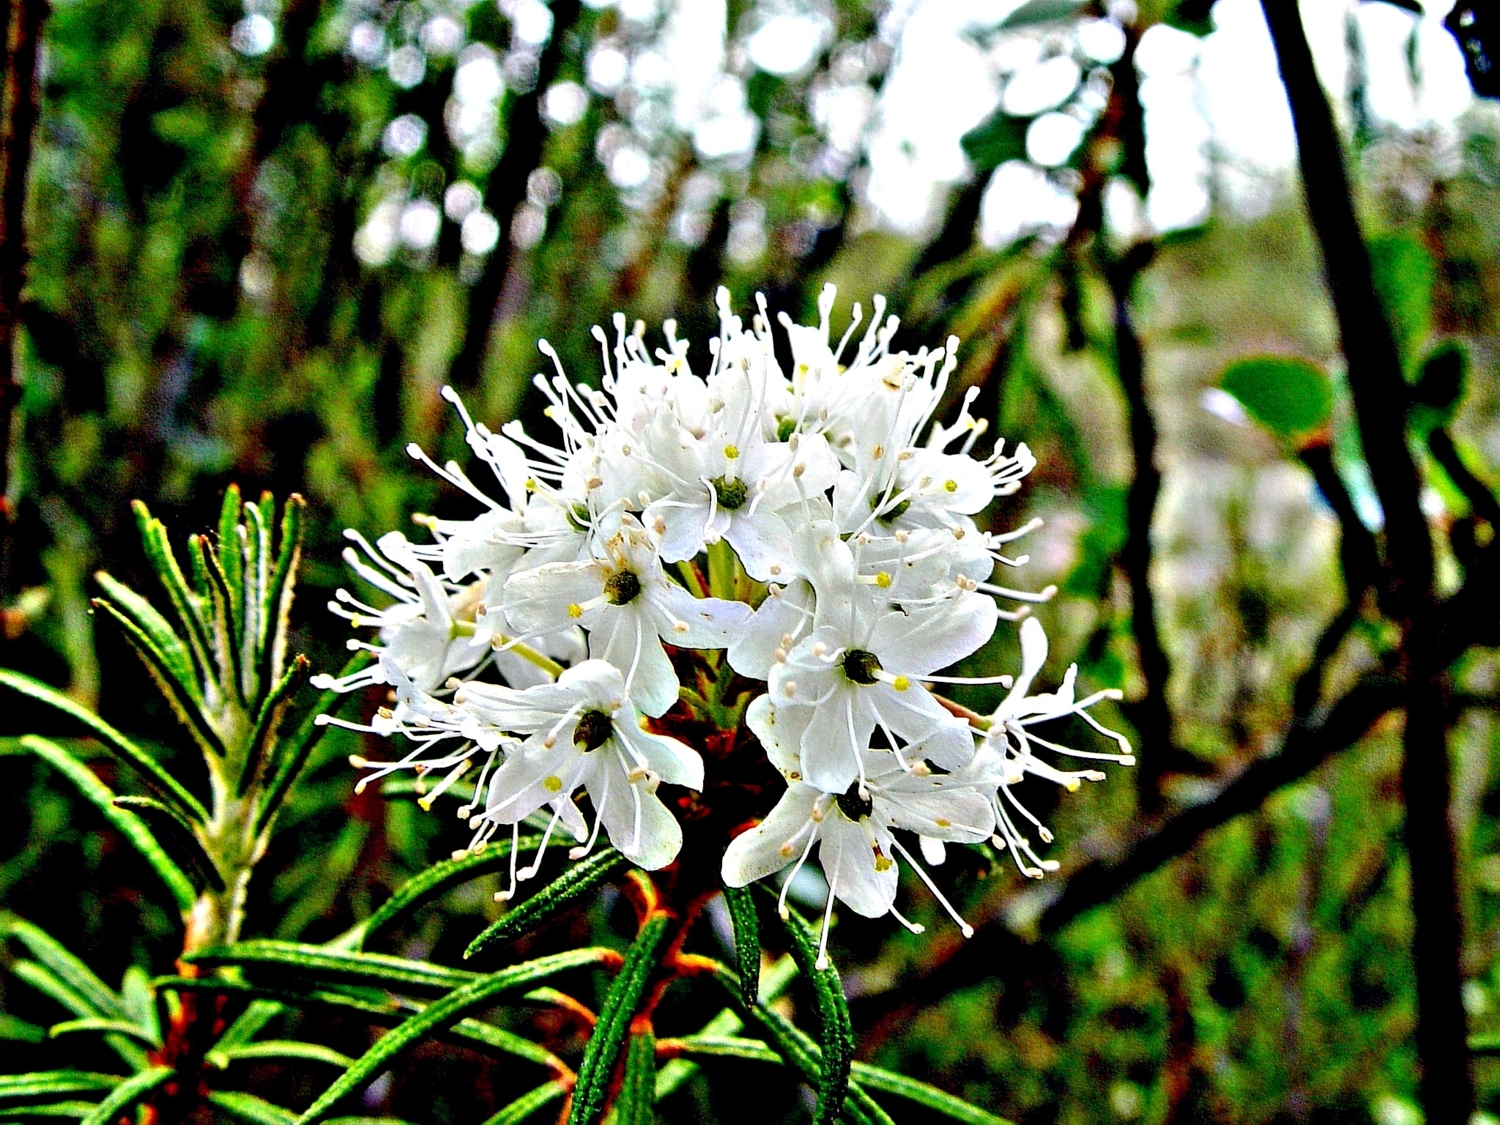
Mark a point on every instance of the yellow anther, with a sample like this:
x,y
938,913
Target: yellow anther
x,y
731,451
882,863
900,683
883,580
552,784
950,486
575,610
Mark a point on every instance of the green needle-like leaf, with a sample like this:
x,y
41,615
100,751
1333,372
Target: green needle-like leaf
x,y
227,626
184,601
930,1097
322,966
21,1031
268,722
185,705
117,743
637,1100
174,651
103,1027
741,904
441,877
615,1014
82,980
551,900
177,838
231,549
277,598
837,1033
127,1093
127,823
443,1013
250,1024
528,1103
250,1109
280,1049
18,1089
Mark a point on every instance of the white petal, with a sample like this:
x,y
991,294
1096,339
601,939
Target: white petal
x,y
860,879
933,851
786,613
765,849
780,731
674,762
922,641
838,731
690,622
624,639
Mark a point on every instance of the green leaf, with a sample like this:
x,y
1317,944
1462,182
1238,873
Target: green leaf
x,y
127,1093
101,999
140,1001
184,601
837,1033
174,651
552,899
1288,396
279,1049
121,746
741,904
176,837
441,877
17,1089
528,1103
480,993
249,1024
227,628
231,546
1000,137
68,1107
126,823
268,723
21,1031
185,705
930,1097
615,1014
277,603
103,1027
1041,11
250,1109
635,1105
292,753
323,966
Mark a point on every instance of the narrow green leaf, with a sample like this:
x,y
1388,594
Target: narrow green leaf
x,y
49,984
176,837
102,1027
443,1013
1288,396
112,739
126,823
837,1033
635,1105
551,900
127,1093
506,1042
21,1031
268,723
442,877
615,1014
173,649
226,623
888,1082
102,1000
140,1001
279,1049
249,1024
17,1089
185,705
68,1107
250,1109
292,753
257,547
184,601
1485,1046
527,1104
741,904
323,966
282,587
728,1047
231,547
1035,12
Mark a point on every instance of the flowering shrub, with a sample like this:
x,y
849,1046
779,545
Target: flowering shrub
x,y
712,571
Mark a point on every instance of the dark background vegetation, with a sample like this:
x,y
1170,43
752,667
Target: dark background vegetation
x,y
207,299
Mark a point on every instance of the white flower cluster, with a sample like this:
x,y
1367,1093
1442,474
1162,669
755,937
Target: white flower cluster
x,y
794,550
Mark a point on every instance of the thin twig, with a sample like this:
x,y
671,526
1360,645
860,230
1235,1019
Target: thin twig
x,y
1380,398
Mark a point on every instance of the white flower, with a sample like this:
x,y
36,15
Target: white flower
x,y
585,732
628,606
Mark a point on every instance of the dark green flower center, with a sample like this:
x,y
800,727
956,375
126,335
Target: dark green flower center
x,y
785,427
860,666
578,517
852,805
732,493
594,729
893,512
622,588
